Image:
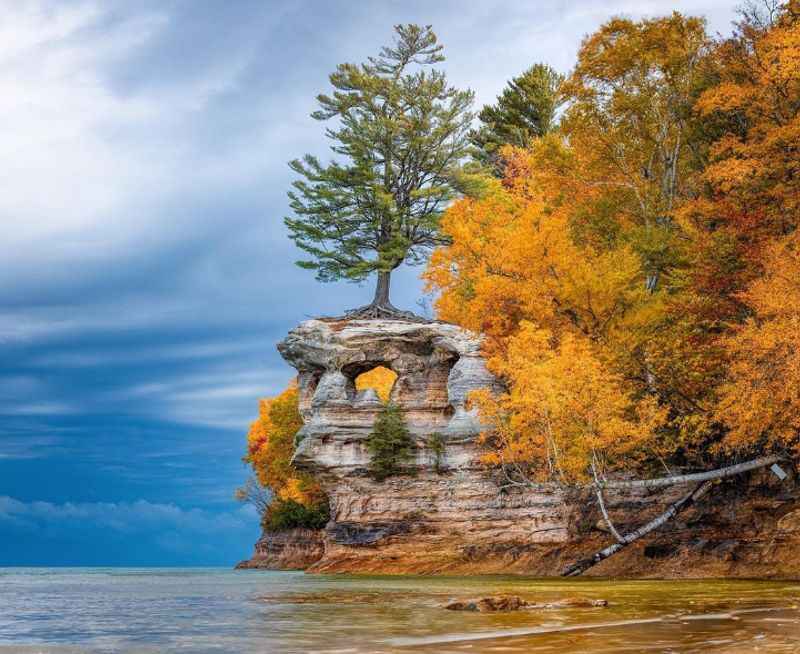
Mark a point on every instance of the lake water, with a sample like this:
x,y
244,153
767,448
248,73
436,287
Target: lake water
x,y
214,610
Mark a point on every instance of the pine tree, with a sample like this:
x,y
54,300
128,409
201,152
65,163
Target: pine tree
x,y
526,109
401,136
390,444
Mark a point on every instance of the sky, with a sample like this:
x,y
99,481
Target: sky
x,y
145,271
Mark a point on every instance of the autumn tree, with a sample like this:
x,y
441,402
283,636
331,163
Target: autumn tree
x,y
630,100
634,272
297,498
550,310
567,414
754,200
400,135
525,109
751,193
760,403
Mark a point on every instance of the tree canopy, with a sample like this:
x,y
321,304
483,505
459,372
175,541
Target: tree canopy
x,y
297,499
635,269
399,134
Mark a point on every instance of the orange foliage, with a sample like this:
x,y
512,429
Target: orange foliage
x,y
754,166
611,266
550,310
270,446
761,402
752,179
565,410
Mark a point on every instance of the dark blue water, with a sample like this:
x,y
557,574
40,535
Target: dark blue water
x,y
216,610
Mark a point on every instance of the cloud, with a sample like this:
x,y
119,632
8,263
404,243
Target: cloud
x,y
124,517
124,532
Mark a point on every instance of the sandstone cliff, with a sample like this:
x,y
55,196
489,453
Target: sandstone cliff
x,y
293,549
456,516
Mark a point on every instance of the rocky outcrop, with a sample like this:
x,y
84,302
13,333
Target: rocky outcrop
x,y
292,549
455,515
437,518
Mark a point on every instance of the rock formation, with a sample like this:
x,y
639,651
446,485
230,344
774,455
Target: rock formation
x,y
433,519
456,515
292,549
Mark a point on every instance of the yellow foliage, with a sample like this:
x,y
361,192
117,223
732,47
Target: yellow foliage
x,y
553,313
270,446
754,165
565,410
380,379
761,402
512,257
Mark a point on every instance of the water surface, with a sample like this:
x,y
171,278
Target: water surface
x,y
215,610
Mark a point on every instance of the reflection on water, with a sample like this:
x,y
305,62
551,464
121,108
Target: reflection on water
x,y
211,610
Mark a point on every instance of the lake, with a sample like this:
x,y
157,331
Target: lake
x,y
218,610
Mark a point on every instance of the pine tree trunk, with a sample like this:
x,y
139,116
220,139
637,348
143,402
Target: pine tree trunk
x,y
381,307
381,298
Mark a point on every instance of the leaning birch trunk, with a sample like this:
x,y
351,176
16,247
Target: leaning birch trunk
x,y
706,479
674,509
720,473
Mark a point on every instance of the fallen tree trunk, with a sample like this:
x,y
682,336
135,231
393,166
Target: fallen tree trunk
x,y
719,473
705,479
674,509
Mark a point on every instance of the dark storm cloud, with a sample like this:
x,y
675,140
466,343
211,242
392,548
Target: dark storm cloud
x,y
146,274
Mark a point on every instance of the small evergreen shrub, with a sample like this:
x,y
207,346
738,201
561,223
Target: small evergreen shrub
x,y
288,514
436,446
390,444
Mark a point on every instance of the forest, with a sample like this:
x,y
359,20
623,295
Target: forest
x,y
623,234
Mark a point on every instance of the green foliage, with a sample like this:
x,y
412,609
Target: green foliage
x,y
288,514
390,444
526,108
401,135
436,446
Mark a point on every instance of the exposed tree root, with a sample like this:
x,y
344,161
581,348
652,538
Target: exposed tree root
x,y
384,311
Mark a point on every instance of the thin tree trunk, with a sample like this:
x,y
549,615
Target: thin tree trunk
x,y
706,480
612,528
719,473
674,509
381,298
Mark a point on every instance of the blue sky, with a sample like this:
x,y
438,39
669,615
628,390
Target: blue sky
x,y
146,275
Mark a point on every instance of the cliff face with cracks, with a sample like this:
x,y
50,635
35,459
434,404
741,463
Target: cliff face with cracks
x,y
455,515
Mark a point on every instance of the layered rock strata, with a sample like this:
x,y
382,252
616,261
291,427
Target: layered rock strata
x,y
446,509
292,549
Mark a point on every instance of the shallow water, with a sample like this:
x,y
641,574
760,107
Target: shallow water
x,y
214,610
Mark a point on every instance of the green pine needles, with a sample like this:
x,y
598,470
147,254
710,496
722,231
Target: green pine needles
x,y
400,135
390,444
527,108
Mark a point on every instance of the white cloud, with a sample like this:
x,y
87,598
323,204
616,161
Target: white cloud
x,y
220,396
135,517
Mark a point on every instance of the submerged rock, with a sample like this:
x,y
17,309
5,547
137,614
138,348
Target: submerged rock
x,y
516,603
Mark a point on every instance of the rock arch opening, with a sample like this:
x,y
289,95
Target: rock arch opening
x,y
379,378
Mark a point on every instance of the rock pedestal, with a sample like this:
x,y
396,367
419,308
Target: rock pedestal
x,y
439,517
